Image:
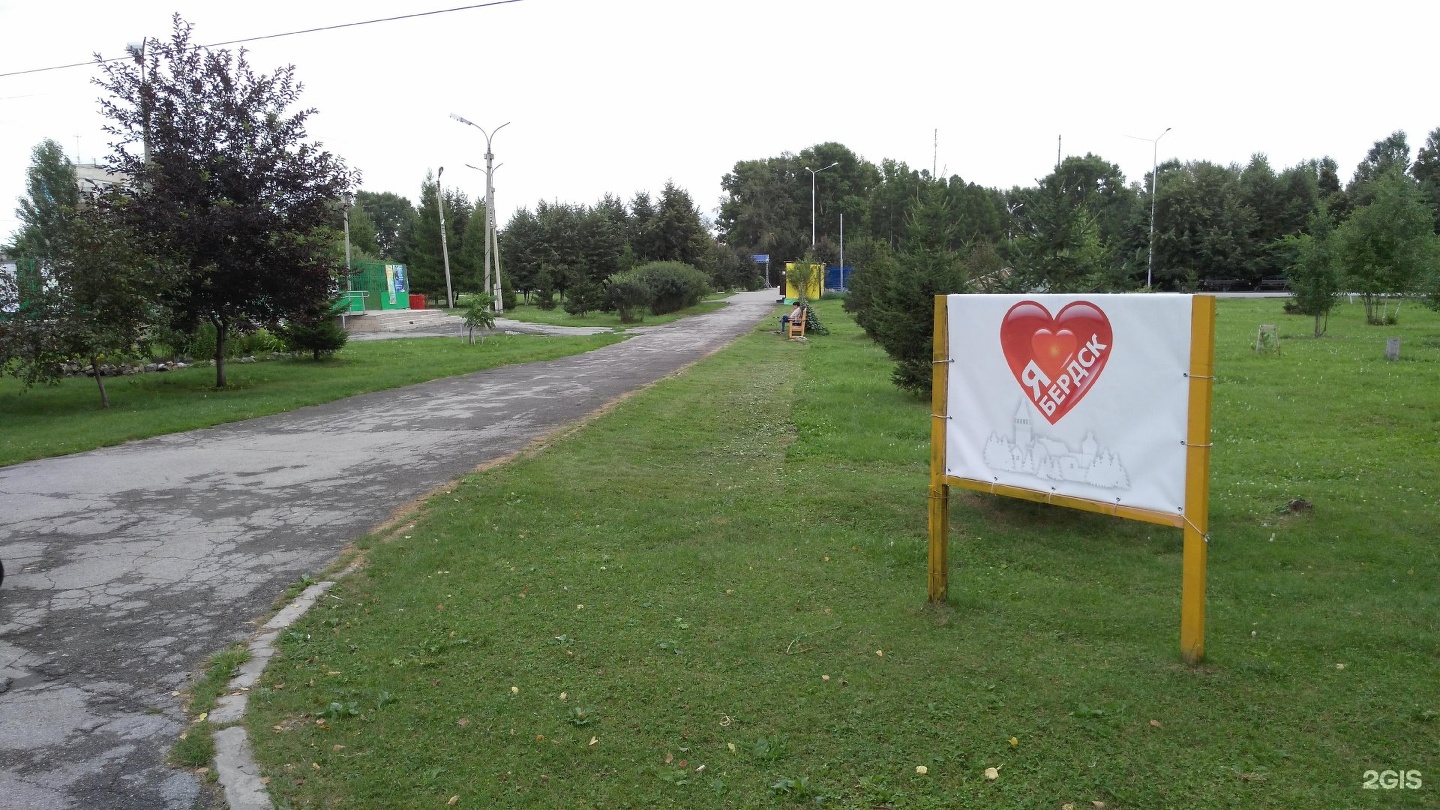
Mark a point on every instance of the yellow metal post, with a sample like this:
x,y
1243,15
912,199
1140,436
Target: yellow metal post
x,y
939,490
1197,480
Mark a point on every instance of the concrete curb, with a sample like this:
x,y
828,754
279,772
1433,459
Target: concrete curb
x,y
235,767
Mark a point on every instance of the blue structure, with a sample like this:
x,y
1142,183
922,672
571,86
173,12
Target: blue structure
x,y
838,278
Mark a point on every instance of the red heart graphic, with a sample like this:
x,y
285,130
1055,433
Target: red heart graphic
x,y
1055,359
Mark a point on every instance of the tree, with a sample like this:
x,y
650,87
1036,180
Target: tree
x,y
424,250
1203,227
1313,276
393,217
1389,246
90,300
363,240
1426,171
227,189
51,198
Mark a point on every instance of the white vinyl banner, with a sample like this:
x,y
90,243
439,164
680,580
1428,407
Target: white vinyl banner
x,y
1085,396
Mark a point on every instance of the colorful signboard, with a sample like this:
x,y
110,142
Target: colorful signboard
x,y
1097,402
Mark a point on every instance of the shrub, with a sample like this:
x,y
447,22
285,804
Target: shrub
x,y
321,338
629,294
673,285
584,297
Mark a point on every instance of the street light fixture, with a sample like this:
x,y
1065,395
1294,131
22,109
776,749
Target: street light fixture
x,y
814,172
489,212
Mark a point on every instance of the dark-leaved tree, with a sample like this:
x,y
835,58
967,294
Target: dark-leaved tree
x,y
224,185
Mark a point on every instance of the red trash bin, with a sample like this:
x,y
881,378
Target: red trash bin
x,y
417,301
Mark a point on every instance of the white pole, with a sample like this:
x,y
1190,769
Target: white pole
x,y
1154,192
444,245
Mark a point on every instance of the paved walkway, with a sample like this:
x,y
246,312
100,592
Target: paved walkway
x,y
127,567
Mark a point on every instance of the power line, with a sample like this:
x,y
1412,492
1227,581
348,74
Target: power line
x,y
277,36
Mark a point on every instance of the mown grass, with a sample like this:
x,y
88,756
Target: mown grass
x,y
67,418
529,313
715,596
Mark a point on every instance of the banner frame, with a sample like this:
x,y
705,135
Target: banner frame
x,y
1193,521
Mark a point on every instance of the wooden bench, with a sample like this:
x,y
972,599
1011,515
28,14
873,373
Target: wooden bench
x,y
795,328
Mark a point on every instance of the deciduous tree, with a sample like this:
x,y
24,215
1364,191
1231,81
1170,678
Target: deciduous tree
x,y
224,185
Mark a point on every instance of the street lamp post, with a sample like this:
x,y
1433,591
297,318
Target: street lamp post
x,y
349,201
444,247
814,172
1154,192
490,238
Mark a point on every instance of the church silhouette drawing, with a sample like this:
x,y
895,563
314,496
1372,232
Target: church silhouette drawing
x,y
1047,459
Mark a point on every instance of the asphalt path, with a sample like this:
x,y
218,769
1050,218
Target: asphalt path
x,y
127,567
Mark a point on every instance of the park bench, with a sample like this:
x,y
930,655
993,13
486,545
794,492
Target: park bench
x,y
796,328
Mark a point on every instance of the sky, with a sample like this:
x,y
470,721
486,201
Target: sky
x,y
620,96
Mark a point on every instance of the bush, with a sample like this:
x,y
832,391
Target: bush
x,y
673,285
261,341
583,298
321,338
629,295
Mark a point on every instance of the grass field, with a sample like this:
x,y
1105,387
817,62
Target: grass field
x,y
715,596
530,313
67,418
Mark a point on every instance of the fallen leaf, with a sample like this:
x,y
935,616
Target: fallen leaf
x,y
337,748
594,740
1068,806
992,773
1098,805
880,653
463,722
683,764
202,771
514,690
264,780
1339,666
564,695
315,765
921,769
579,607
669,757
439,607
454,800
731,746
539,738
1155,723
201,717
700,769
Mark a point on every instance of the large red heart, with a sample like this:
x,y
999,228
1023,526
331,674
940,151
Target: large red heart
x,y
1056,359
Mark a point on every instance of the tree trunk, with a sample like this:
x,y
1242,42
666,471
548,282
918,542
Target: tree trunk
x,y
220,330
1318,330
100,381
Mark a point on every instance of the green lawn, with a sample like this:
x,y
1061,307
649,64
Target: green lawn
x,y
715,596
66,418
530,313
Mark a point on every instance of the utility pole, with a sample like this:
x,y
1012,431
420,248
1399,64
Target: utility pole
x,y
490,239
444,247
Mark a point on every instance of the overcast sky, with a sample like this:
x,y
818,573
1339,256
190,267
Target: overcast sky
x,y
622,95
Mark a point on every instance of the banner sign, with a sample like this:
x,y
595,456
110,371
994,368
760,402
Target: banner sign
x,y
760,258
1083,396
1092,402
